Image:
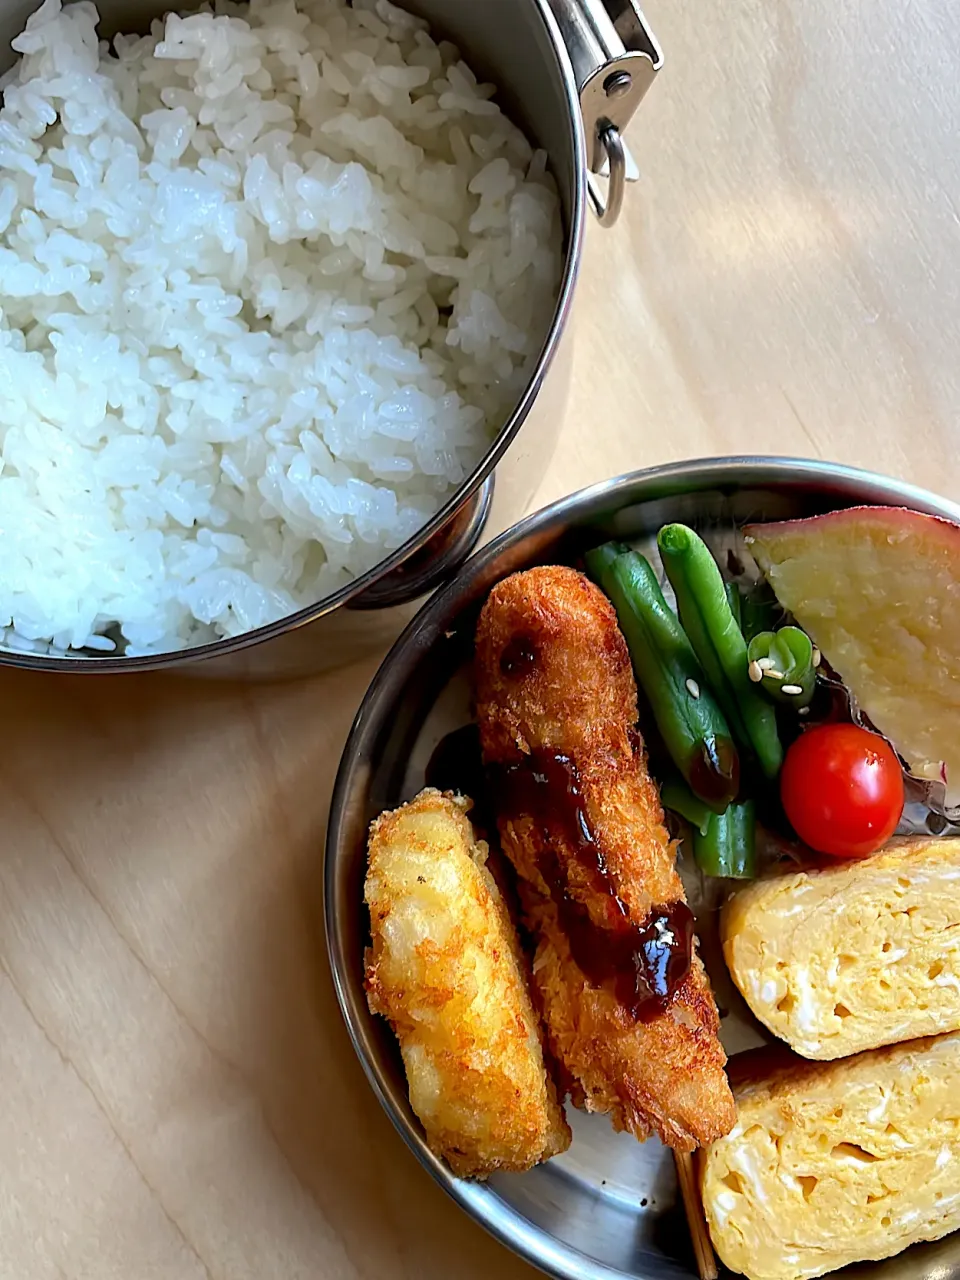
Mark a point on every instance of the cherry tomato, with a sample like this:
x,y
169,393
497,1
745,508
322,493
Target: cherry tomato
x,y
842,789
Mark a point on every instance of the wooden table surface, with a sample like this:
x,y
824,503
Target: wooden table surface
x,y
177,1094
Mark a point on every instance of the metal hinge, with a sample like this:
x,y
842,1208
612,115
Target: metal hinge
x,y
615,58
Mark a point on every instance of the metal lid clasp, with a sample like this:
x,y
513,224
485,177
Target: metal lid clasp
x,y
615,58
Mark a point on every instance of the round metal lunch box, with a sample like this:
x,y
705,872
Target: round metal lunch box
x,y
571,73
608,1208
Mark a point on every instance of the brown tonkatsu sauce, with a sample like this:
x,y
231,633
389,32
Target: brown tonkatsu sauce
x,y
457,765
643,964
715,770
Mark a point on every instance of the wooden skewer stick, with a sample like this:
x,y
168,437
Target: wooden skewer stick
x,y
702,1248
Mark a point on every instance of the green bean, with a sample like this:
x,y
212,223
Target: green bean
x,y
600,559
729,845
689,720
676,796
781,664
733,600
718,642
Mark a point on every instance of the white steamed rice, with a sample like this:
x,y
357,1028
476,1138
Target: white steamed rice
x,y
270,279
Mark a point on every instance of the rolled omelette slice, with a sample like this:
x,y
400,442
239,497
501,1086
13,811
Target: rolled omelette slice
x,y
833,1163
852,956
445,968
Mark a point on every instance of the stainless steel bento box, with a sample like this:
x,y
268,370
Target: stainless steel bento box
x,y
607,1209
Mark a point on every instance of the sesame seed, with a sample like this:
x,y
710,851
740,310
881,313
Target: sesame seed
x,y
815,658
774,675
803,711
693,688
755,672
765,664
791,688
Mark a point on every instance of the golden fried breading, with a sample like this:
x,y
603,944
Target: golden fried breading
x,y
446,970
832,1163
555,689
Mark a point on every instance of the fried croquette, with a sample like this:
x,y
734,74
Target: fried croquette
x,y
557,701
446,970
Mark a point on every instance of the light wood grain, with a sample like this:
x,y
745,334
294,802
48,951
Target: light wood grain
x,y
178,1098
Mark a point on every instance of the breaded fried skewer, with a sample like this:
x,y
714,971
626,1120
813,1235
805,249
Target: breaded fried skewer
x,y
445,968
629,1012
